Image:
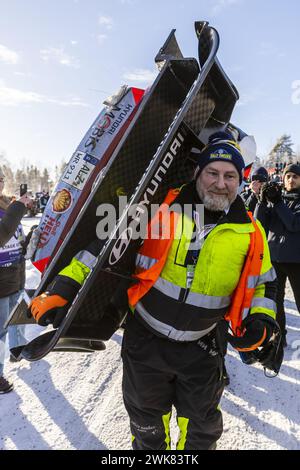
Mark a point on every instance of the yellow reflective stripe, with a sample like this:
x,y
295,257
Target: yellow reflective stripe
x,y
76,270
166,423
132,438
183,425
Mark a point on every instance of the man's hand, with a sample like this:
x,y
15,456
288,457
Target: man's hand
x,y
258,330
270,355
255,187
47,309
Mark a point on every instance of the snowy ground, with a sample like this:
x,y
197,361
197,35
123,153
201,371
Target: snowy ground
x,y
74,400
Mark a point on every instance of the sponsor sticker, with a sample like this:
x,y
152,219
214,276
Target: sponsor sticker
x,y
79,170
48,230
61,201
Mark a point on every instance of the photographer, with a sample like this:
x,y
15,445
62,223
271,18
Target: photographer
x,y
12,270
279,213
251,197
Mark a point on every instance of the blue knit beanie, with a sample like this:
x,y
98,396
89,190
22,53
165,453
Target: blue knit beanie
x,y
222,147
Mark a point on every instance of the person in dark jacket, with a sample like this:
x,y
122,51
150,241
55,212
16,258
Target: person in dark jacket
x,y
251,197
173,345
279,213
43,201
12,271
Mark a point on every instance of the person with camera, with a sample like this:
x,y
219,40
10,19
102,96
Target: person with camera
x,y
12,270
251,197
279,213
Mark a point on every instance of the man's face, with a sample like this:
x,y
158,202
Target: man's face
x,y
217,185
291,181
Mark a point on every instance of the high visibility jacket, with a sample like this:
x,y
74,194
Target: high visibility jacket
x,y
230,275
232,268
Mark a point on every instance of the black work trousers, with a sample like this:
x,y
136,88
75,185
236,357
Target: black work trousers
x,y
159,373
284,271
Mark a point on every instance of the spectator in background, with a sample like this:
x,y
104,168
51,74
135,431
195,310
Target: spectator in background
x,y
251,197
279,212
12,271
43,201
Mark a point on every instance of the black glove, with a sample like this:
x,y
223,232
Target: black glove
x,y
270,356
258,329
271,192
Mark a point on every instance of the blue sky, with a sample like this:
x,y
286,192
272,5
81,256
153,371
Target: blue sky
x,y
59,59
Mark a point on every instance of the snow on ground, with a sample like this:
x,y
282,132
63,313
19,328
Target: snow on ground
x,y
74,400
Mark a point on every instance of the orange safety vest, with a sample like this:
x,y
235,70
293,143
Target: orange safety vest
x,y
158,248
244,293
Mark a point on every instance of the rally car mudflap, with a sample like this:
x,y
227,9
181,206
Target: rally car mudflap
x,y
187,100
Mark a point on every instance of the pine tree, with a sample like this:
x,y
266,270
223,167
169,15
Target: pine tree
x,y
282,152
20,178
45,180
9,187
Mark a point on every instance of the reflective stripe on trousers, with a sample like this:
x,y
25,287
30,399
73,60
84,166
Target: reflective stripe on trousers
x,y
169,331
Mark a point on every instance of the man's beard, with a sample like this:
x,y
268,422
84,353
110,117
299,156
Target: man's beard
x,y
291,189
214,203
291,194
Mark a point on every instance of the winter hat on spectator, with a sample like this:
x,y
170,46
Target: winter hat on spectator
x,y
293,168
221,147
260,174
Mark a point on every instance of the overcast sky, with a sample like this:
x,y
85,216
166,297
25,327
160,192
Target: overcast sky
x,y
59,59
